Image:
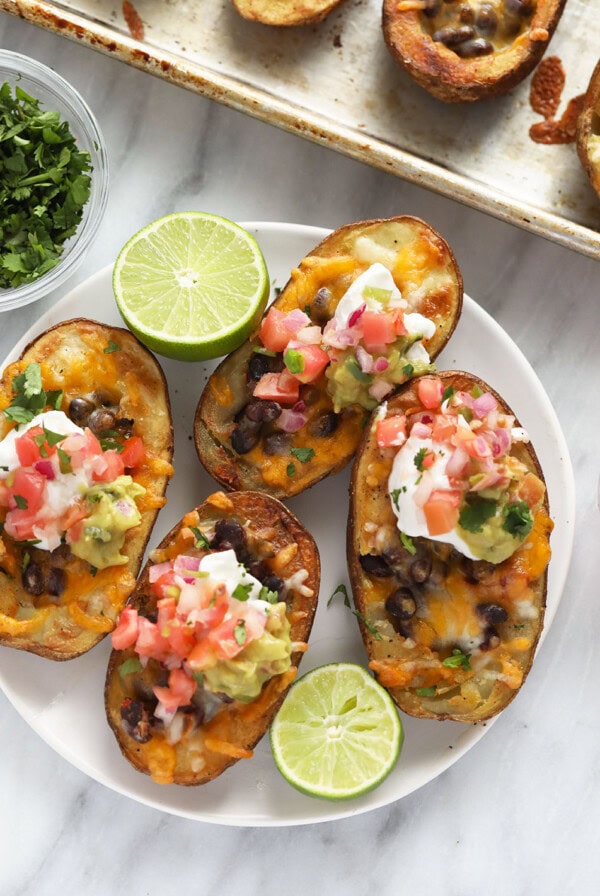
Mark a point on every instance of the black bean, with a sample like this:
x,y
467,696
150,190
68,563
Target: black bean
x,y
273,583
56,581
134,718
486,20
124,426
492,613
475,571
243,441
101,419
452,37
262,411
258,569
432,7
375,565
230,531
320,307
420,569
277,443
519,7
401,604
466,14
33,579
80,409
471,49
491,639
310,394
325,425
258,365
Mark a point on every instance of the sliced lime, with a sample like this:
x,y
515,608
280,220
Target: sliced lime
x,y
337,734
191,285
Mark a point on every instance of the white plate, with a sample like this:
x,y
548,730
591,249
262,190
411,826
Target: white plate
x,y
63,702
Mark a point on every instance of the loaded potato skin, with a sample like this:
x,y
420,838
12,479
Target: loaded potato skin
x,y
201,699
462,52
86,452
287,408
451,635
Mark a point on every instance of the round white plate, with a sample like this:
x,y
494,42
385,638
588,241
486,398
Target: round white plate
x,y
63,702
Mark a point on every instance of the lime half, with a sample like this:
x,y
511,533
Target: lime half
x,y
337,734
191,285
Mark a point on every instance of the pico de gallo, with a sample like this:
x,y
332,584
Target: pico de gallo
x,y
218,634
454,478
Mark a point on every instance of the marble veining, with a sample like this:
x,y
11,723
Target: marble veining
x,y
519,813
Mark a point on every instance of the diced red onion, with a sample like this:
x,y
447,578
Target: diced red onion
x,y
157,570
309,335
423,490
291,421
379,389
299,407
364,359
295,320
356,315
482,405
457,463
381,364
420,430
45,468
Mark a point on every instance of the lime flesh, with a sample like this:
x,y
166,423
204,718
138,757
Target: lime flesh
x,y
337,734
191,285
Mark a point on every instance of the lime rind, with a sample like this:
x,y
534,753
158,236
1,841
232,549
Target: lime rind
x,y
191,285
338,733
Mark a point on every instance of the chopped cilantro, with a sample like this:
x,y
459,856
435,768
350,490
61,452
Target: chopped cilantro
x,y
21,502
29,396
457,660
518,521
111,347
476,512
408,370
368,625
357,372
341,589
44,187
307,310
261,350
26,560
131,665
241,592
198,678
239,633
448,393
419,458
64,461
476,391
427,692
303,454
271,597
202,542
408,543
290,470
93,571
395,493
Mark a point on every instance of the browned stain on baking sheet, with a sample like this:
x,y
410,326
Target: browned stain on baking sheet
x,y
547,86
133,20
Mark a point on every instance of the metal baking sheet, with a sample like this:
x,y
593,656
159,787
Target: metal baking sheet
x,y
336,84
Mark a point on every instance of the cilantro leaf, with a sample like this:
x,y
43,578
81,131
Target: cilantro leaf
x,y
427,692
518,520
419,458
241,592
202,541
476,512
458,660
239,633
341,589
408,543
303,454
111,347
131,665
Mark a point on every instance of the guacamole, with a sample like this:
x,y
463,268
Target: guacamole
x,y
112,512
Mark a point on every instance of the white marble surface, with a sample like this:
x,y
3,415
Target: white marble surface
x,y
518,814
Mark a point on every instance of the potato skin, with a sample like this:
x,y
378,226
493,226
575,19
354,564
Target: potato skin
x,y
454,80
402,666
73,359
286,12
227,390
587,126
238,725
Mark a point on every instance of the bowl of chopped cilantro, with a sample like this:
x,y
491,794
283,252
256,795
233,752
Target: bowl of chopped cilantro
x,y
53,180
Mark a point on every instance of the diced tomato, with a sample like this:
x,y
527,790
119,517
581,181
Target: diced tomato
x,y
181,638
430,391
273,333
80,447
134,453
281,387
378,328
74,514
531,490
166,607
400,326
477,447
443,428
315,362
441,511
27,450
180,690
126,632
28,486
150,641
391,431
107,467
202,656
19,524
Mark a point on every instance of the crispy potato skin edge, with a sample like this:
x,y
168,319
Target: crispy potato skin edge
x,y
584,128
452,79
500,696
263,511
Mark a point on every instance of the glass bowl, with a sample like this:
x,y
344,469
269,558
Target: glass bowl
x,y
56,94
